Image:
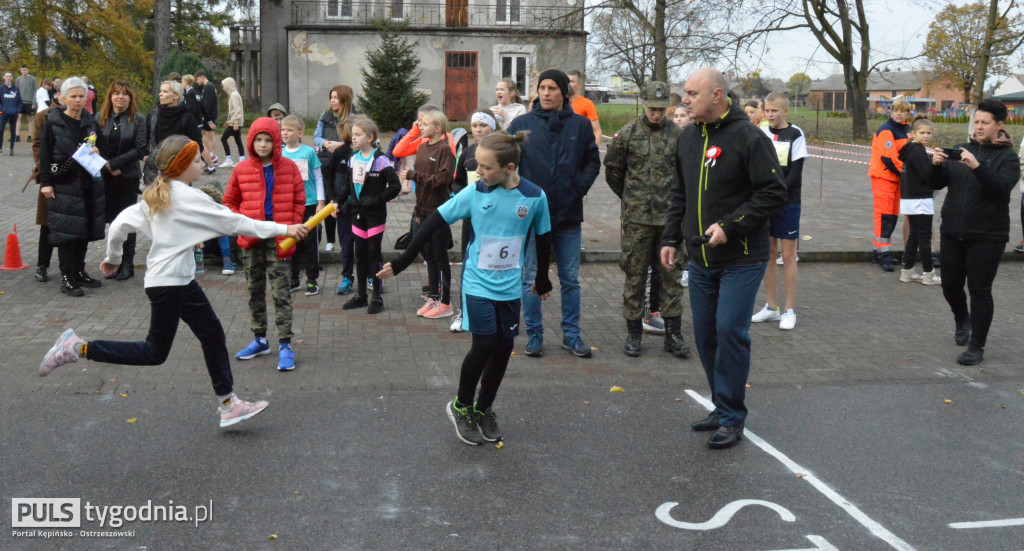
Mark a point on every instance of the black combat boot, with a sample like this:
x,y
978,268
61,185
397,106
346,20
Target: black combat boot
x,y
674,342
635,329
69,286
127,268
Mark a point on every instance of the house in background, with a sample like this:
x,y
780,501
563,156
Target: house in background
x,y
921,88
310,46
1014,84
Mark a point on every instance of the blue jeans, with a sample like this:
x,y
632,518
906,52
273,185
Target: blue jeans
x,y
566,243
721,301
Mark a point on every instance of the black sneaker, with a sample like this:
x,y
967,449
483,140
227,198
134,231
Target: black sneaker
x,y
487,421
465,424
41,276
357,301
376,305
295,287
209,170
312,288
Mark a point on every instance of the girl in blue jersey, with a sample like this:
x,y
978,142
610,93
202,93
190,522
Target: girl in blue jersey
x,y
506,211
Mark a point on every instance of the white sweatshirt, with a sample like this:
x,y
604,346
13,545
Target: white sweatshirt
x,y
192,218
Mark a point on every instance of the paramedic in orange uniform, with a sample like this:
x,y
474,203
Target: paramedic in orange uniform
x,y
885,180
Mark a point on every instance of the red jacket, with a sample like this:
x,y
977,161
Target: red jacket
x,y
247,189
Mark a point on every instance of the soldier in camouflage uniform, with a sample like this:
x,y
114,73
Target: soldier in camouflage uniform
x,y
639,166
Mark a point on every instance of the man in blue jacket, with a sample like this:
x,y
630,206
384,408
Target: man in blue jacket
x,y
10,107
561,157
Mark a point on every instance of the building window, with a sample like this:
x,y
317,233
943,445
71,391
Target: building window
x,y
508,11
397,9
339,9
516,67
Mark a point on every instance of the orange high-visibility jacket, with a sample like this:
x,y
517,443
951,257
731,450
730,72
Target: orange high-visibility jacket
x,y
885,150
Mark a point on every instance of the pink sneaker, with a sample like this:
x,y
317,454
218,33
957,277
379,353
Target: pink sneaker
x,y
427,306
239,410
440,310
63,352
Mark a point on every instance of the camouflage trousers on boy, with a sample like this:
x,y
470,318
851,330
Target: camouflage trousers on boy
x,y
261,263
641,243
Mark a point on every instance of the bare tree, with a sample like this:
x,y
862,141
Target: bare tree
x,y
161,39
647,39
1003,36
840,26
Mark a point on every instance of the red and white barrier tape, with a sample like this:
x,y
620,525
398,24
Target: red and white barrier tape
x,y
856,162
850,145
839,150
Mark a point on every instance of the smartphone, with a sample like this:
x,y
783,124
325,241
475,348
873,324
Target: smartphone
x,y
953,153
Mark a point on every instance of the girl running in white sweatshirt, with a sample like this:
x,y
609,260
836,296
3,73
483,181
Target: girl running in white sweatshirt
x,y
175,217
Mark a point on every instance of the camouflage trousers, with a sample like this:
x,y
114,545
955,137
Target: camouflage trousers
x,y
261,263
641,243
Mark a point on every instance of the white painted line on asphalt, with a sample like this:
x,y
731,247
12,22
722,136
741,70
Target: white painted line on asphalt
x,y
722,517
874,527
988,523
820,544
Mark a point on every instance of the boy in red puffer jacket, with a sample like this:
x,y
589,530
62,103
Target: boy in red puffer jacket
x,y
267,186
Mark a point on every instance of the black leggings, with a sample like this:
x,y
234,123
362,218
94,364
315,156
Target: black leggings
x,y
976,263
230,131
168,305
45,248
919,240
439,271
368,259
71,257
4,121
485,364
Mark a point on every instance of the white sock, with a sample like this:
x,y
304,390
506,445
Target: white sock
x,y
225,401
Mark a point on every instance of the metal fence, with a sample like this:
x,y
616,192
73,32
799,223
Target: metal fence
x,y
503,15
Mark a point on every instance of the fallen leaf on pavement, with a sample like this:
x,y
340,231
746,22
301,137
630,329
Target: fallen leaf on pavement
x,y
499,445
586,403
617,389
132,420
947,401
123,395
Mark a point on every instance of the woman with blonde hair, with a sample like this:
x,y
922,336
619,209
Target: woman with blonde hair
x,y
168,118
233,126
177,217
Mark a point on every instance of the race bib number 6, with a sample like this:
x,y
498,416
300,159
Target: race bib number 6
x,y
500,253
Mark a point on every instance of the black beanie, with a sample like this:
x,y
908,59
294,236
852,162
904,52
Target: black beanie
x,y
560,78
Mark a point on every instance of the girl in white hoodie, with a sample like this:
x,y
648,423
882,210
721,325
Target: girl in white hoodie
x,y
175,217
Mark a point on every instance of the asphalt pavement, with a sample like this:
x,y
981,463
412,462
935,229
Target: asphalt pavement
x,y
863,434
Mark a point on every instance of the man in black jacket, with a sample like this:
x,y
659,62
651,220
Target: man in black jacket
x,y
728,183
208,99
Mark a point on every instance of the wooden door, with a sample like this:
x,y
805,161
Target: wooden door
x,y
456,13
460,85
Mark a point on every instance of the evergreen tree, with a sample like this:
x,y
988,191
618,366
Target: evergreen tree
x,y
389,84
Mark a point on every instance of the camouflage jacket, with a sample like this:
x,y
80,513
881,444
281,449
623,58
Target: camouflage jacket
x,y
640,164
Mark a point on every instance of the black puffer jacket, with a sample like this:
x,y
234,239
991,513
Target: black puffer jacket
x,y
76,211
738,186
977,206
380,185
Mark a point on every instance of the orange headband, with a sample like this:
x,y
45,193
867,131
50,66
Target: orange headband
x,y
182,160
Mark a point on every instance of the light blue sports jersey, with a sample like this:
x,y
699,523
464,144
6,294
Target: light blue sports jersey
x,y
502,220
305,157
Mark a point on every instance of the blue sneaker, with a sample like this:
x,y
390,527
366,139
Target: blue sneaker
x,y
345,287
535,346
229,268
576,346
258,347
286,358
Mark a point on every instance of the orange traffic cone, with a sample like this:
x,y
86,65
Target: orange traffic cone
x,y
12,258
